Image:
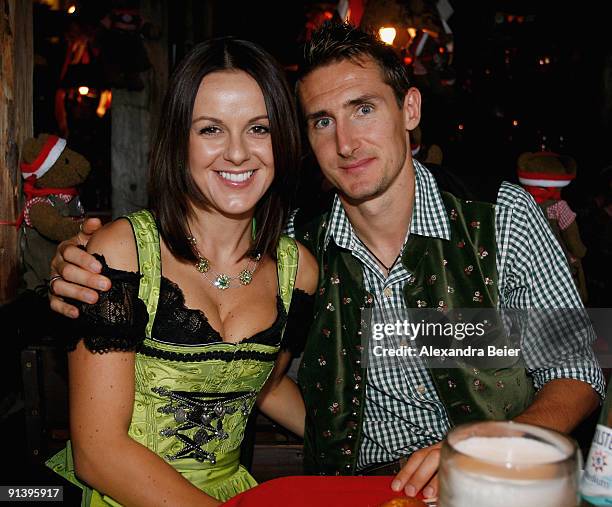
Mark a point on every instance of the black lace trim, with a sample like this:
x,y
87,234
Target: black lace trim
x,y
117,322
219,355
176,323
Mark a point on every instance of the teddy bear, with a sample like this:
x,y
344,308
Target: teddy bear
x,y
124,55
543,174
52,209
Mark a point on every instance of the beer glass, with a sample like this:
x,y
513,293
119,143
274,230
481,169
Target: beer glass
x,y
507,464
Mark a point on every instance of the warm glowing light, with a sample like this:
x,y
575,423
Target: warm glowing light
x,y
515,123
547,60
460,126
72,9
387,35
412,32
83,90
104,103
441,50
408,60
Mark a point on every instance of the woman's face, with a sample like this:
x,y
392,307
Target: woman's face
x,y
230,147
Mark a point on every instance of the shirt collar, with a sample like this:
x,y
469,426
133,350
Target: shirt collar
x,y
429,216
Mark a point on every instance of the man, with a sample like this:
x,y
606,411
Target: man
x,y
389,228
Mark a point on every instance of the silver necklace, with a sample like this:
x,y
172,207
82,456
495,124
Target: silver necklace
x,y
223,281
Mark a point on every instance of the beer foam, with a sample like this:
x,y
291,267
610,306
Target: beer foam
x,y
510,450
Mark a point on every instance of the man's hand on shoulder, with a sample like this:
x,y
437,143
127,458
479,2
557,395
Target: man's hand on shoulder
x,y
79,272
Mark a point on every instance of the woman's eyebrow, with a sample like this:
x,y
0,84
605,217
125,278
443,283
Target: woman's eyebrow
x,y
217,120
209,118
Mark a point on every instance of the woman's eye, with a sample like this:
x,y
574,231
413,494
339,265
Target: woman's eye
x,y
209,131
322,123
260,129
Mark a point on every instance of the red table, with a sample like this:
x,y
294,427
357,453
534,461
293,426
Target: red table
x,y
314,491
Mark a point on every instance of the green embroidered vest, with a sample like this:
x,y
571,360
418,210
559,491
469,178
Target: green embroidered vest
x,y
456,273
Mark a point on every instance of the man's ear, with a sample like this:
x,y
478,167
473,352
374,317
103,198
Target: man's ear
x,y
412,108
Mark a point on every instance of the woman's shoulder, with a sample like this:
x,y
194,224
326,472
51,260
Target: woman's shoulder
x,y
115,241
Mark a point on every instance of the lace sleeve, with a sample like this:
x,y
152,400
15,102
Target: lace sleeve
x,y
117,321
298,322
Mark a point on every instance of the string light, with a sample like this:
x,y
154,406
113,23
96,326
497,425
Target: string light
x,y
387,35
72,9
83,90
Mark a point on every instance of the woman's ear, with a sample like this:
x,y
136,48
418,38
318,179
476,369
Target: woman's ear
x,y
412,108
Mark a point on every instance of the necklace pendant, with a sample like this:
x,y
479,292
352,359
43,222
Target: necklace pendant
x,y
245,277
203,265
222,282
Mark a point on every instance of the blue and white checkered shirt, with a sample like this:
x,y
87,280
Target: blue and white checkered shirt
x,y
403,412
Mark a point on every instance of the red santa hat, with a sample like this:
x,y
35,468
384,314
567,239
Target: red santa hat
x,y
48,155
546,169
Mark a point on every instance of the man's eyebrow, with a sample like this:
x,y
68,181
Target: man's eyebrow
x,y
369,97
316,115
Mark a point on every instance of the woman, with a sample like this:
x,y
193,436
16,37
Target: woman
x,y
191,329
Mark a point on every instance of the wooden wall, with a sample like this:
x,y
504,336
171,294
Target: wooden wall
x,y
134,119
16,67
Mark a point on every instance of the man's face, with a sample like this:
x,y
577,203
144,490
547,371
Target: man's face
x,y
356,128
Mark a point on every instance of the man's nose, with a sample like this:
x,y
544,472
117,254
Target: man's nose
x,y
346,140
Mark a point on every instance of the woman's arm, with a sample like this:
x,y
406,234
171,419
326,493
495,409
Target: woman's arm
x,y
280,399
101,404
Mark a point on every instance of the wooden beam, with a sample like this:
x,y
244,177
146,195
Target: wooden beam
x,y
16,125
134,119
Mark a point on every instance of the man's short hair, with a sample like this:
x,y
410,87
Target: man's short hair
x,y
335,41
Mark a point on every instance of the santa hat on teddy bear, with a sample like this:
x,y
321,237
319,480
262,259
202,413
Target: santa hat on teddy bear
x,y
49,152
544,173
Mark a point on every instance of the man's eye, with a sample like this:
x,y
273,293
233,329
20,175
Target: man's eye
x,y
260,129
322,123
209,131
365,109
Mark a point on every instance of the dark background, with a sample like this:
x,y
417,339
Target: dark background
x,y
564,106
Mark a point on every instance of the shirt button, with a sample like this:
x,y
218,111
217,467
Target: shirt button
x,y
388,292
421,389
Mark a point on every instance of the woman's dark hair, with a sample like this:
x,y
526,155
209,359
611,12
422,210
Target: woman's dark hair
x,y
335,41
172,190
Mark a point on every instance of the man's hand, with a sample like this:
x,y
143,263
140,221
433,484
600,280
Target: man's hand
x,y
420,473
78,271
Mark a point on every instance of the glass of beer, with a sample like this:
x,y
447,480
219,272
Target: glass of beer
x,y
507,464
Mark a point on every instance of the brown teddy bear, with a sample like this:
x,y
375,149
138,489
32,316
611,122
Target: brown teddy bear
x,y
543,174
52,209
